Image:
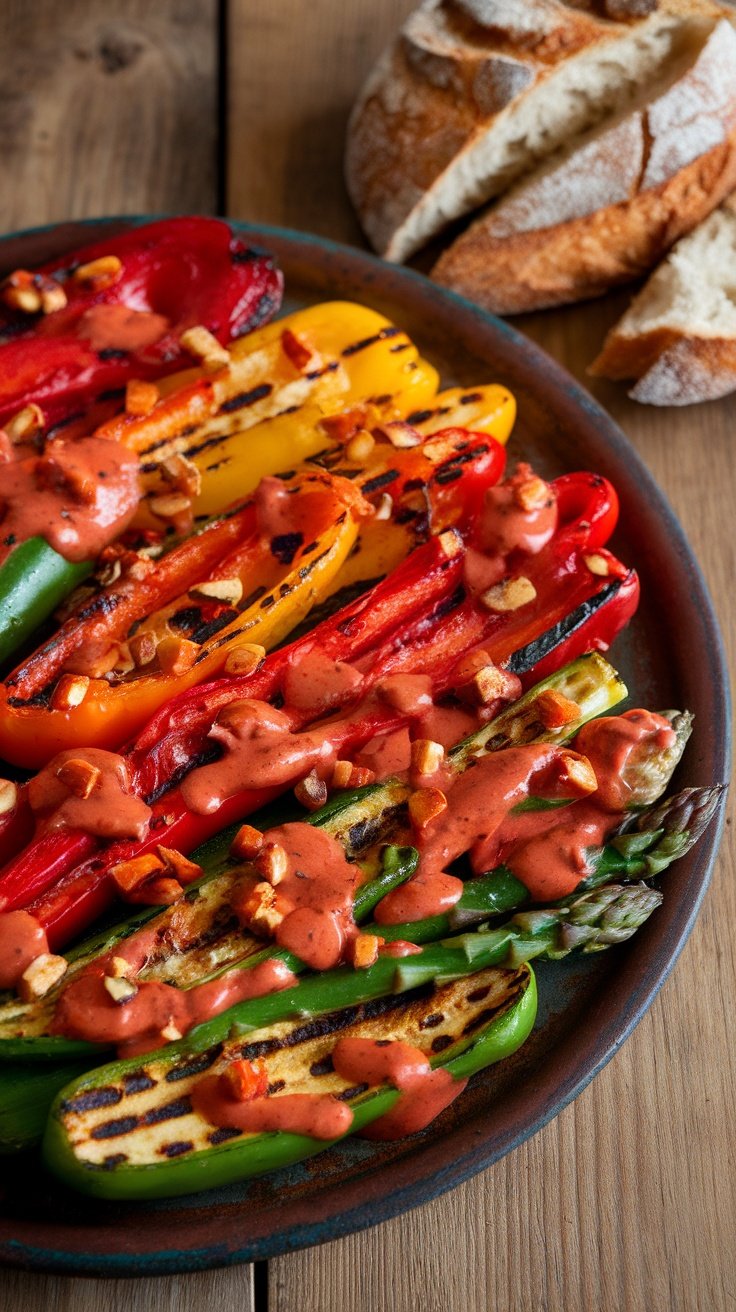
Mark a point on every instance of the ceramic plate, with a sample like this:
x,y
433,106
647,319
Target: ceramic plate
x,y
670,656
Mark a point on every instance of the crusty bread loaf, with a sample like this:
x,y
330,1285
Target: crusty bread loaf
x,y
678,337
608,207
475,92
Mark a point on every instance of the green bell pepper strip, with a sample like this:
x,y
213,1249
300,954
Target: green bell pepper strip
x,y
34,580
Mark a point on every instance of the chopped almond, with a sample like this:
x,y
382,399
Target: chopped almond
x,y
425,805
142,648
364,950
100,273
579,772
139,567
120,968
42,974
245,658
202,344
347,775
296,349
53,297
451,542
247,843
129,875
259,910
490,684
140,397
69,692
399,434
554,709
8,796
385,507
170,1034
19,292
120,990
340,428
311,791
245,1080
182,474
26,423
509,595
170,505
426,756
161,892
79,776
226,590
109,572
360,447
272,862
178,865
176,655
531,494
597,564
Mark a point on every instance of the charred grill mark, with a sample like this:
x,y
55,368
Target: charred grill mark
x,y
186,619
319,1027
275,1087
225,639
483,1017
169,1112
91,1101
323,1067
268,602
285,546
441,1042
365,342
208,630
352,1093
105,604
527,657
431,1022
380,480
177,1148
138,1082
111,1129
222,1135
402,346
112,353
451,469
446,607
471,397
253,597
112,1160
194,1067
186,430
244,399
326,369
382,399
420,416
366,832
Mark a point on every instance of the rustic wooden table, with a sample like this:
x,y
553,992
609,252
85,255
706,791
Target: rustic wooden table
x,y
626,1200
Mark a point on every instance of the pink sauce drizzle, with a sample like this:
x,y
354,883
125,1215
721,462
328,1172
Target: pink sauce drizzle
x,y
111,810
315,682
612,745
318,1115
424,1092
22,939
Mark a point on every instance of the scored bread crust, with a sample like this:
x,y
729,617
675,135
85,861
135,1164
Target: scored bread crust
x,y
515,78
554,240
678,337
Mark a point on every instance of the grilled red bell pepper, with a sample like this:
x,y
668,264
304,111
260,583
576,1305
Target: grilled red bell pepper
x,y
418,621
83,324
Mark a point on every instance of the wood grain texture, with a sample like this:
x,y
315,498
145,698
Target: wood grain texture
x,y
107,109
226,1291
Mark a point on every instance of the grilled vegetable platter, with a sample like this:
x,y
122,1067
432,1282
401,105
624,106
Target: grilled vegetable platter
x,y
313,750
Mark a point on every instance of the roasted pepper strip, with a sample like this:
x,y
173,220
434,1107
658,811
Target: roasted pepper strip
x,y
123,304
279,581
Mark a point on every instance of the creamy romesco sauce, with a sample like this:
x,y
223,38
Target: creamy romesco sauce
x,y
318,1115
112,810
424,1092
22,939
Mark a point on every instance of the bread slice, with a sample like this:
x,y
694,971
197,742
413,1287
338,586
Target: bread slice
x,y
475,92
609,206
678,338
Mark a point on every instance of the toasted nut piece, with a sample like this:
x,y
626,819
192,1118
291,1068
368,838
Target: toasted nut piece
x,y
340,428
245,1080
53,297
69,692
272,862
8,796
364,950
170,1034
176,655
399,434
99,273
360,775
425,805
532,494
142,648
489,684
554,709
26,423
182,474
140,397
247,843
129,875
171,505
597,564
341,774
120,990
120,968
79,776
296,349
42,974
140,567
311,791
245,658
19,292
451,542
385,507
260,911
161,892
579,771
227,590
359,447
347,775
509,595
179,865
109,572
426,756
202,344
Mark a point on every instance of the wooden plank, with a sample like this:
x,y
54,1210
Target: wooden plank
x,y
231,1289
292,77
107,110
627,1200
